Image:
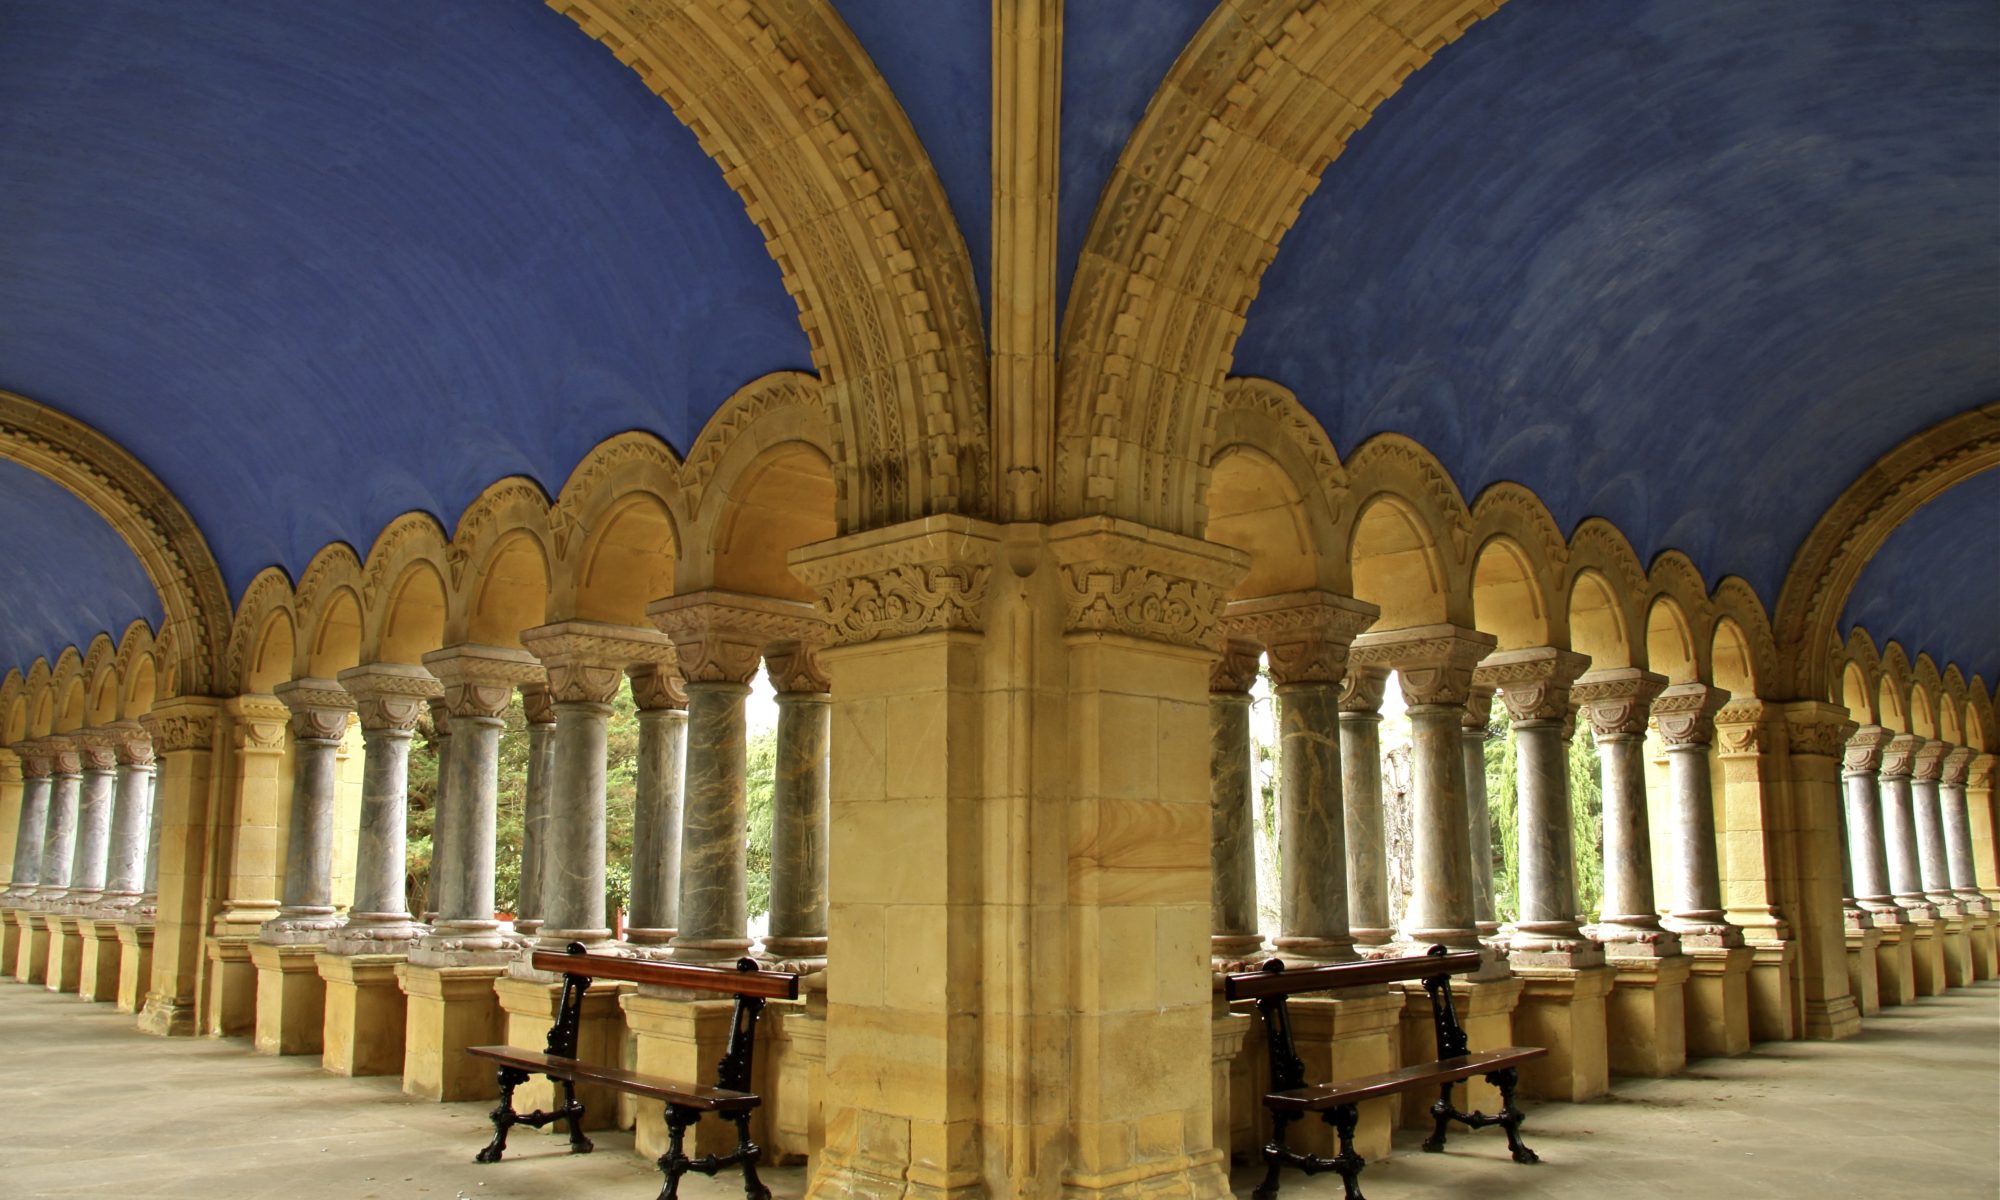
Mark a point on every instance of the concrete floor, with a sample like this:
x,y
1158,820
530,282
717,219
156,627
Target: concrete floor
x,y
1906,1110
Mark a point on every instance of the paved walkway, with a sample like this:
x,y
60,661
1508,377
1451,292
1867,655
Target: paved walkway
x,y
96,1109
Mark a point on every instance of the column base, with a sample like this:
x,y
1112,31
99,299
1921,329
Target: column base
x,y
1831,1019
97,977
291,998
1233,1075
65,967
1927,955
528,1011
450,1008
1563,1009
1957,946
1864,948
1486,1013
1771,988
683,1039
1718,1001
1895,966
31,951
365,1014
1645,1015
232,985
1342,1037
795,1076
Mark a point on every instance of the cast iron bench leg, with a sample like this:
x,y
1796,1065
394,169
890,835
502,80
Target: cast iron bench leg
x,y
1347,1162
1276,1156
504,1117
1443,1113
1510,1117
578,1144
753,1187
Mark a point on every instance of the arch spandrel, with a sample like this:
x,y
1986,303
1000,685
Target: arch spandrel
x,y
330,640
410,621
784,499
614,529
782,96
1397,565
1510,598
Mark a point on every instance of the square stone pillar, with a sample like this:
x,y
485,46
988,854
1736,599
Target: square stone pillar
x,y
31,946
249,826
65,960
449,1009
365,1014
795,1079
10,939
135,964
1864,984
1563,1009
1895,965
184,732
291,999
1718,1001
1816,737
1757,831
1645,1015
1927,955
1235,1076
528,1010
97,974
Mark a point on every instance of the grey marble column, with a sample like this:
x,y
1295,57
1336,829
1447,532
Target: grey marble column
x,y
131,819
1361,791
656,810
1685,714
435,897
478,683
33,824
1958,831
1313,882
149,890
1899,829
320,712
59,839
1233,935
1479,818
389,698
540,710
1617,701
799,813
91,855
1933,863
1868,859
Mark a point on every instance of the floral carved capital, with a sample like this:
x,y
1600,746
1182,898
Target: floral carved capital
x,y
1235,669
1305,634
181,726
1433,663
97,749
320,708
1957,766
1363,689
257,724
390,697
1863,752
1534,684
1123,578
721,637
1816,729
1685,714
794,667
1746,727
655,686
478,681
928,576
1899,756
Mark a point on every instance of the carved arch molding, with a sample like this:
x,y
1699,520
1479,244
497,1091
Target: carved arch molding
x,y
1829,563
159,530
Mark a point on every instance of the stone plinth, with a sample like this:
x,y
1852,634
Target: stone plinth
x,y
449,1009
1718,1001
10,939
366,1013
97,972
1563,1009
1927,956
794,1053
65,957
1772,964
684,1039
1486,1012
1645,1015
1956,945
31,947
232,986
528,1010
1864,948
291,1000
1980,931
1233,1077
1895,965
1341,1036
135,964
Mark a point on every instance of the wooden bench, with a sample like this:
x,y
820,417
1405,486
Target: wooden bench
x,y
1291,1098
730,1098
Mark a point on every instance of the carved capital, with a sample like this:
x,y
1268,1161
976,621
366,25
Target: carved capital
x,y
927,576
655,686
1235,669
1957,765
257,723
1535,683
1899,755
538,704
1927,764
1685,714
1478,708
1817,729
1617,700
1980,774
134,746
440,717
721,636
1863,753
794,667
37,760
182,724
1119,577
479,680
10,765
1434,663
320,708
97,749
390,696
1306,634
1747,726
1361,691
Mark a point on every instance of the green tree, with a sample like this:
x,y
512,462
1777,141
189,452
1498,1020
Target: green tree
x,y
760,781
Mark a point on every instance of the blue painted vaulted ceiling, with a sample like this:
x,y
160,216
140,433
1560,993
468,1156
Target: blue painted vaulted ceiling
x,y
1689,265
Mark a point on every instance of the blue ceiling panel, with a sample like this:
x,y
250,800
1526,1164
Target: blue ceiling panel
x,y
1934,586
1688,266
317,265
69,575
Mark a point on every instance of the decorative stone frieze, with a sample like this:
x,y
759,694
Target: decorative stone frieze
x,y
390,696
1535,683
1434,663
1864,748
177,731
37,760
320,708
722,636
65,756
257,724
133,745
1306,634
1747,727
97,749
655,686
1122,578
927,576
1822,730
1685,714
479,681
1234,671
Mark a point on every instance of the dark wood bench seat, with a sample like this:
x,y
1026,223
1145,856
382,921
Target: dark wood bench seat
x,y
1291,1098
729,1098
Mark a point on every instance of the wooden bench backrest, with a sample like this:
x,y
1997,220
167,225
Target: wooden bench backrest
x,y
743,979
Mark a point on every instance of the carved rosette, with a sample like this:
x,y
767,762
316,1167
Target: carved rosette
x,y
655,687
538,704
928,576
1235,669
1123,578
390,696
721,636
1927,764
98,750
257,724
1957,765
1306,634
1534,684
478,681
1863,753
585,660
180,726
1746,727
1822,730
794,669
1433,663
1898,756
320,708
1685,714
1361,691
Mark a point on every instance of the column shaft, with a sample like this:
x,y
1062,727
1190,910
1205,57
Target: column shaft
x,y
656,825
1548,924
125,877
572,852
390,698
1958,832
33,825
1314,922
1367,859
91,856
1233,847
535,810
59,842
1867,857
1441,866
799,830
1479,818
714,918
1899,831
1933,863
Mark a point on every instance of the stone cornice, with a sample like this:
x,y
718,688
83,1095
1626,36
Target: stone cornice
x,y
1863,755
1818,729
480,680
1617,701
1928,761
1898,755
320,708
390,696
721,636
1361,691
1306,634
1235,669
1119,577
1535,683
927,576
1957,765
1434,663
655,686
1685,714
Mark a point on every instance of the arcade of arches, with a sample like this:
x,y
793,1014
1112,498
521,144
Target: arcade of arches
x,y
1012,579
